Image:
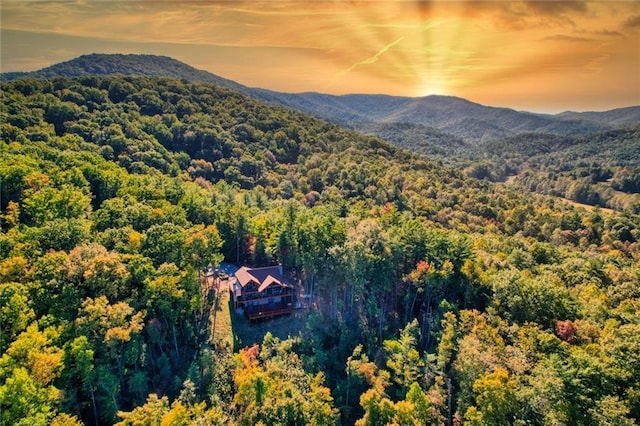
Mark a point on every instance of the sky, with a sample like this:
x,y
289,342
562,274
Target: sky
x,y
542,56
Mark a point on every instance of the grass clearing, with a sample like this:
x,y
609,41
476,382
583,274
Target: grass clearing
x,y
220,317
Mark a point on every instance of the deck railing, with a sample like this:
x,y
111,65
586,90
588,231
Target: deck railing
x,y
267,311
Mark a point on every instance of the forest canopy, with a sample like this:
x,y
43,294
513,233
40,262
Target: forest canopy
x,y
438,297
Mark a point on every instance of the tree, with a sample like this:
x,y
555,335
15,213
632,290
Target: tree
x,y
610,411
119,90
272,387
480,351
152,412
366,262
27,369
495,398
543,299
378,409
545,395
203,245
427,284
15,312
23,402
164,244
51,203
423,410
316,233
60,113
113,330
172,297
404,361
79,368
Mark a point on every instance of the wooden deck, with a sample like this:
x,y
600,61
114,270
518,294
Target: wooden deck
x,y
268,311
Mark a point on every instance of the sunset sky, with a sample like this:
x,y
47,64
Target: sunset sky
x,y
543,56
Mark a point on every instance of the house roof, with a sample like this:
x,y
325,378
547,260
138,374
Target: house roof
x,y
235,288
263,277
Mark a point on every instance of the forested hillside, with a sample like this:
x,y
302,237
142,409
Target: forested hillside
x,y
438,298
459,117
132,65
598,169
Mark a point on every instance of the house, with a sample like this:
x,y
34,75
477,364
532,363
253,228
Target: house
x,y
261,292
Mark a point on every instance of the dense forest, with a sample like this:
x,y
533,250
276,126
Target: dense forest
x,y
587,157
438,298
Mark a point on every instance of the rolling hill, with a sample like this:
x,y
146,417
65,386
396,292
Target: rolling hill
x,y
468,120
614,117
472,122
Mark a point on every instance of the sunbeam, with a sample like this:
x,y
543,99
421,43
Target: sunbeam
x,y
529,55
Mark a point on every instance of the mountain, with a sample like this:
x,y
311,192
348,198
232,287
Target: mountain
x,y
120,64
610,148
463,119
615,117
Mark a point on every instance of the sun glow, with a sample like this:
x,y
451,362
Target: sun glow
x,y
432,85
522,54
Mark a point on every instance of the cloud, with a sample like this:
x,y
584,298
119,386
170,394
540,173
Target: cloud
x,y
608,33
375,57
632,22
563,37
556,7
527,14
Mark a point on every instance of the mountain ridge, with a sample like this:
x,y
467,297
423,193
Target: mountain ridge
x,y
473,122
126,64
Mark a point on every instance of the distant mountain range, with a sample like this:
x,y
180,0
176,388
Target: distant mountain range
x,y
433,123
459,117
